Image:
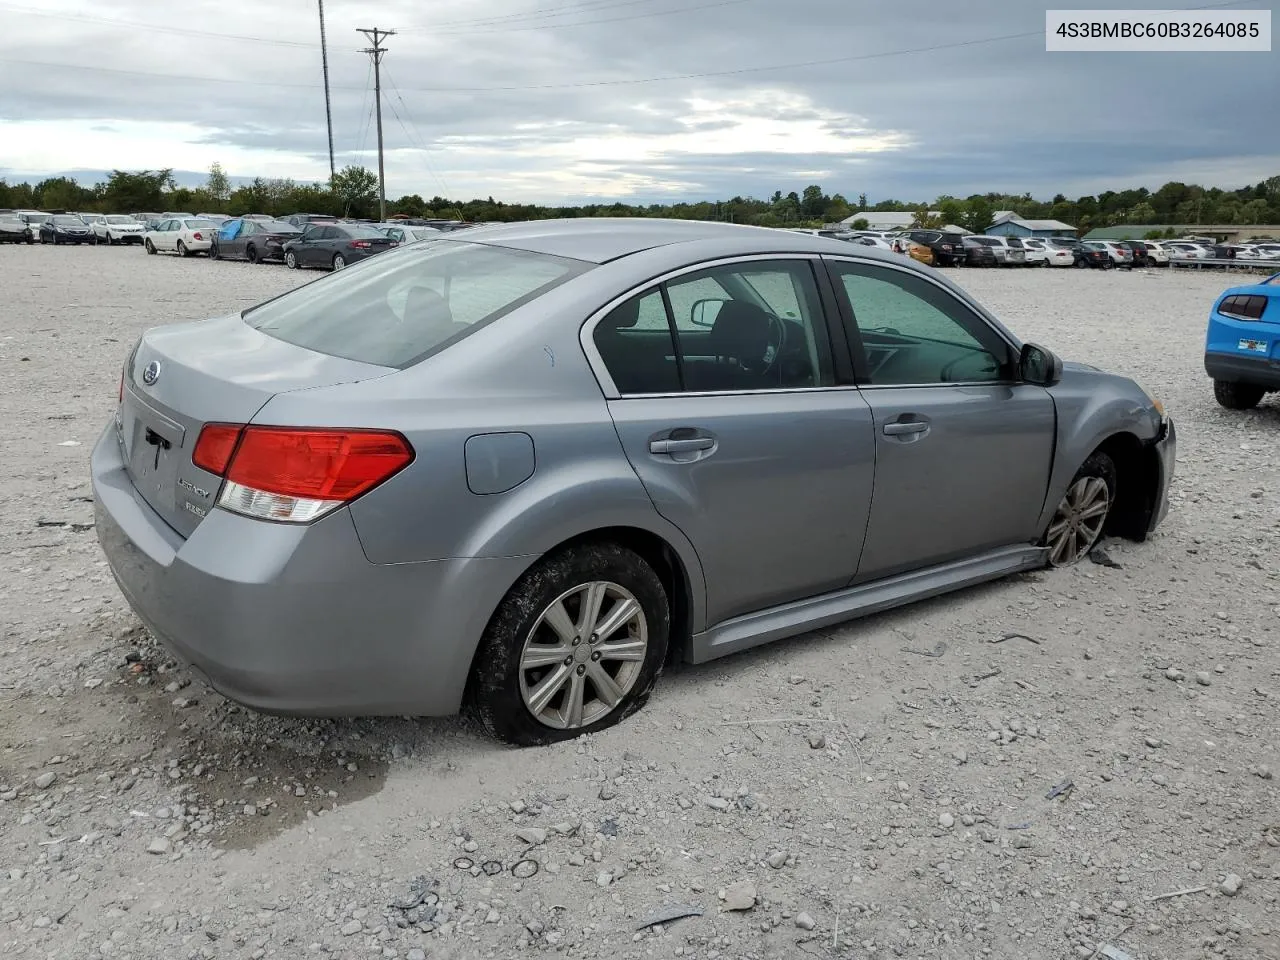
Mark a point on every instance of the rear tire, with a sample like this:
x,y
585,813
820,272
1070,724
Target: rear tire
x,y
502,682
251,253
182,249
1081,517
339,262
1237,396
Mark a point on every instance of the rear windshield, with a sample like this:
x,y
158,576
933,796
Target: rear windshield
x,y
987,241
395,308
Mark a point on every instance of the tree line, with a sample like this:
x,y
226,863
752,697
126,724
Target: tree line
x,y
354,192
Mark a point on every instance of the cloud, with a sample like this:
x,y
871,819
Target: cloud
x,y
535,100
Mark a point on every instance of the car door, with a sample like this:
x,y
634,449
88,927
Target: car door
x,y
963,450
740,418
315,251
248,230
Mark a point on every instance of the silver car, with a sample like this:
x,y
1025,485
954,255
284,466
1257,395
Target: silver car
x,y
522,466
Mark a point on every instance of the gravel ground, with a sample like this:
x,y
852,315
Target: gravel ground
x,y
908,814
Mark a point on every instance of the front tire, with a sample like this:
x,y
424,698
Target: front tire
x,y
1081,517
576,646
1237,396
150,247
182,249
291,260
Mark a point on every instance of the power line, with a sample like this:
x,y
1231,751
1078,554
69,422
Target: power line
x,y
551,86
376,35
421,142
585,23
590,6
704,75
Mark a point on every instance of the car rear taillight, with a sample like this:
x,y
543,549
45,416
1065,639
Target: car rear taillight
x,y
214,447
196,236
297,475
360,244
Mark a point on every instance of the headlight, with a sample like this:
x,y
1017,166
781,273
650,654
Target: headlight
x,y
1155,404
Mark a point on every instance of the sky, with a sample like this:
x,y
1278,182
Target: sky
x,y
568,101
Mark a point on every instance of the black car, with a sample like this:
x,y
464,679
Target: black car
x,y
334,245
252,240
13,230
64,228
1140,256
978,254
948,248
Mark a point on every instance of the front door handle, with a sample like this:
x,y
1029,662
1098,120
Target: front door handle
x,y
681,446
901,429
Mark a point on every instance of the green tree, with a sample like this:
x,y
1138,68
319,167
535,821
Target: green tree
x,y
218,185
61,193
860,224
813,202
950,211
925,220
978,214
1143,212
357,190
862,201
133,192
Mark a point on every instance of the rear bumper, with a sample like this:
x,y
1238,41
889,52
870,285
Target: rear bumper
x,y
1234,368
1166,448
294,619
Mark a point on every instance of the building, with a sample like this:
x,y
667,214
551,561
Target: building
x,y
1009,224
885,221
1223,232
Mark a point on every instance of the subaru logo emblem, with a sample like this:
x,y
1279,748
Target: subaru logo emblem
x,y
152,373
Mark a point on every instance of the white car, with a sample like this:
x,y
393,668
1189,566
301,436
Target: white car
x,y
1060,255
408,233
1037,251
1009,251
118,228
867,240
1186,250
1156,253
33,219
182,235
1268,250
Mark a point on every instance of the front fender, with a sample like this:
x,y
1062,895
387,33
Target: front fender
x,y
1092,407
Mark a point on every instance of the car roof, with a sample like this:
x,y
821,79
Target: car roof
x,y
602,239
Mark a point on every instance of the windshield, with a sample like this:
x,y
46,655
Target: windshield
x,y
120,219
67,221
395,308
37,217
278,226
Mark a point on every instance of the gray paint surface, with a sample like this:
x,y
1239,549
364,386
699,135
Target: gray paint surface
x,y
801,510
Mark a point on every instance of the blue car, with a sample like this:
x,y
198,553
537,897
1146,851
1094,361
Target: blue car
x,y
1242,347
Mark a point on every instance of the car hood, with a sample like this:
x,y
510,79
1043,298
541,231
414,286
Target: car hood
x,y
1075,366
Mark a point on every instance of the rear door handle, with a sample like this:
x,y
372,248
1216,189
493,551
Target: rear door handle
x,y
681,446
901,429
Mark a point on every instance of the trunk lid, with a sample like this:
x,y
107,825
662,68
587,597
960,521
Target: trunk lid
x,y
186,375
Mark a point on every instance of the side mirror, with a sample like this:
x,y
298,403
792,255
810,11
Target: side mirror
x,y
1039,365
703,312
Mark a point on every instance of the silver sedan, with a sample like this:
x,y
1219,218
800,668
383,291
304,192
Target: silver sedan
x,y
523,466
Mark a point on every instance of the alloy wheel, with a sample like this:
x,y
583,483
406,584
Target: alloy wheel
x,y
583,655
1077,524
339,261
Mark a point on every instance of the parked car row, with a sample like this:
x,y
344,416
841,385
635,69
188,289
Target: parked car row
x,y
301,240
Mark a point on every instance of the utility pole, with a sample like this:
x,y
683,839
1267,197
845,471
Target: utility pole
x,y
376,36
328,109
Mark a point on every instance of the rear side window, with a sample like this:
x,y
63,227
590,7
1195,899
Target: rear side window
x,y
397,307
1014,242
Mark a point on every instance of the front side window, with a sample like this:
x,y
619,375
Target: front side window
x,y
403,304
915,332
755,325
